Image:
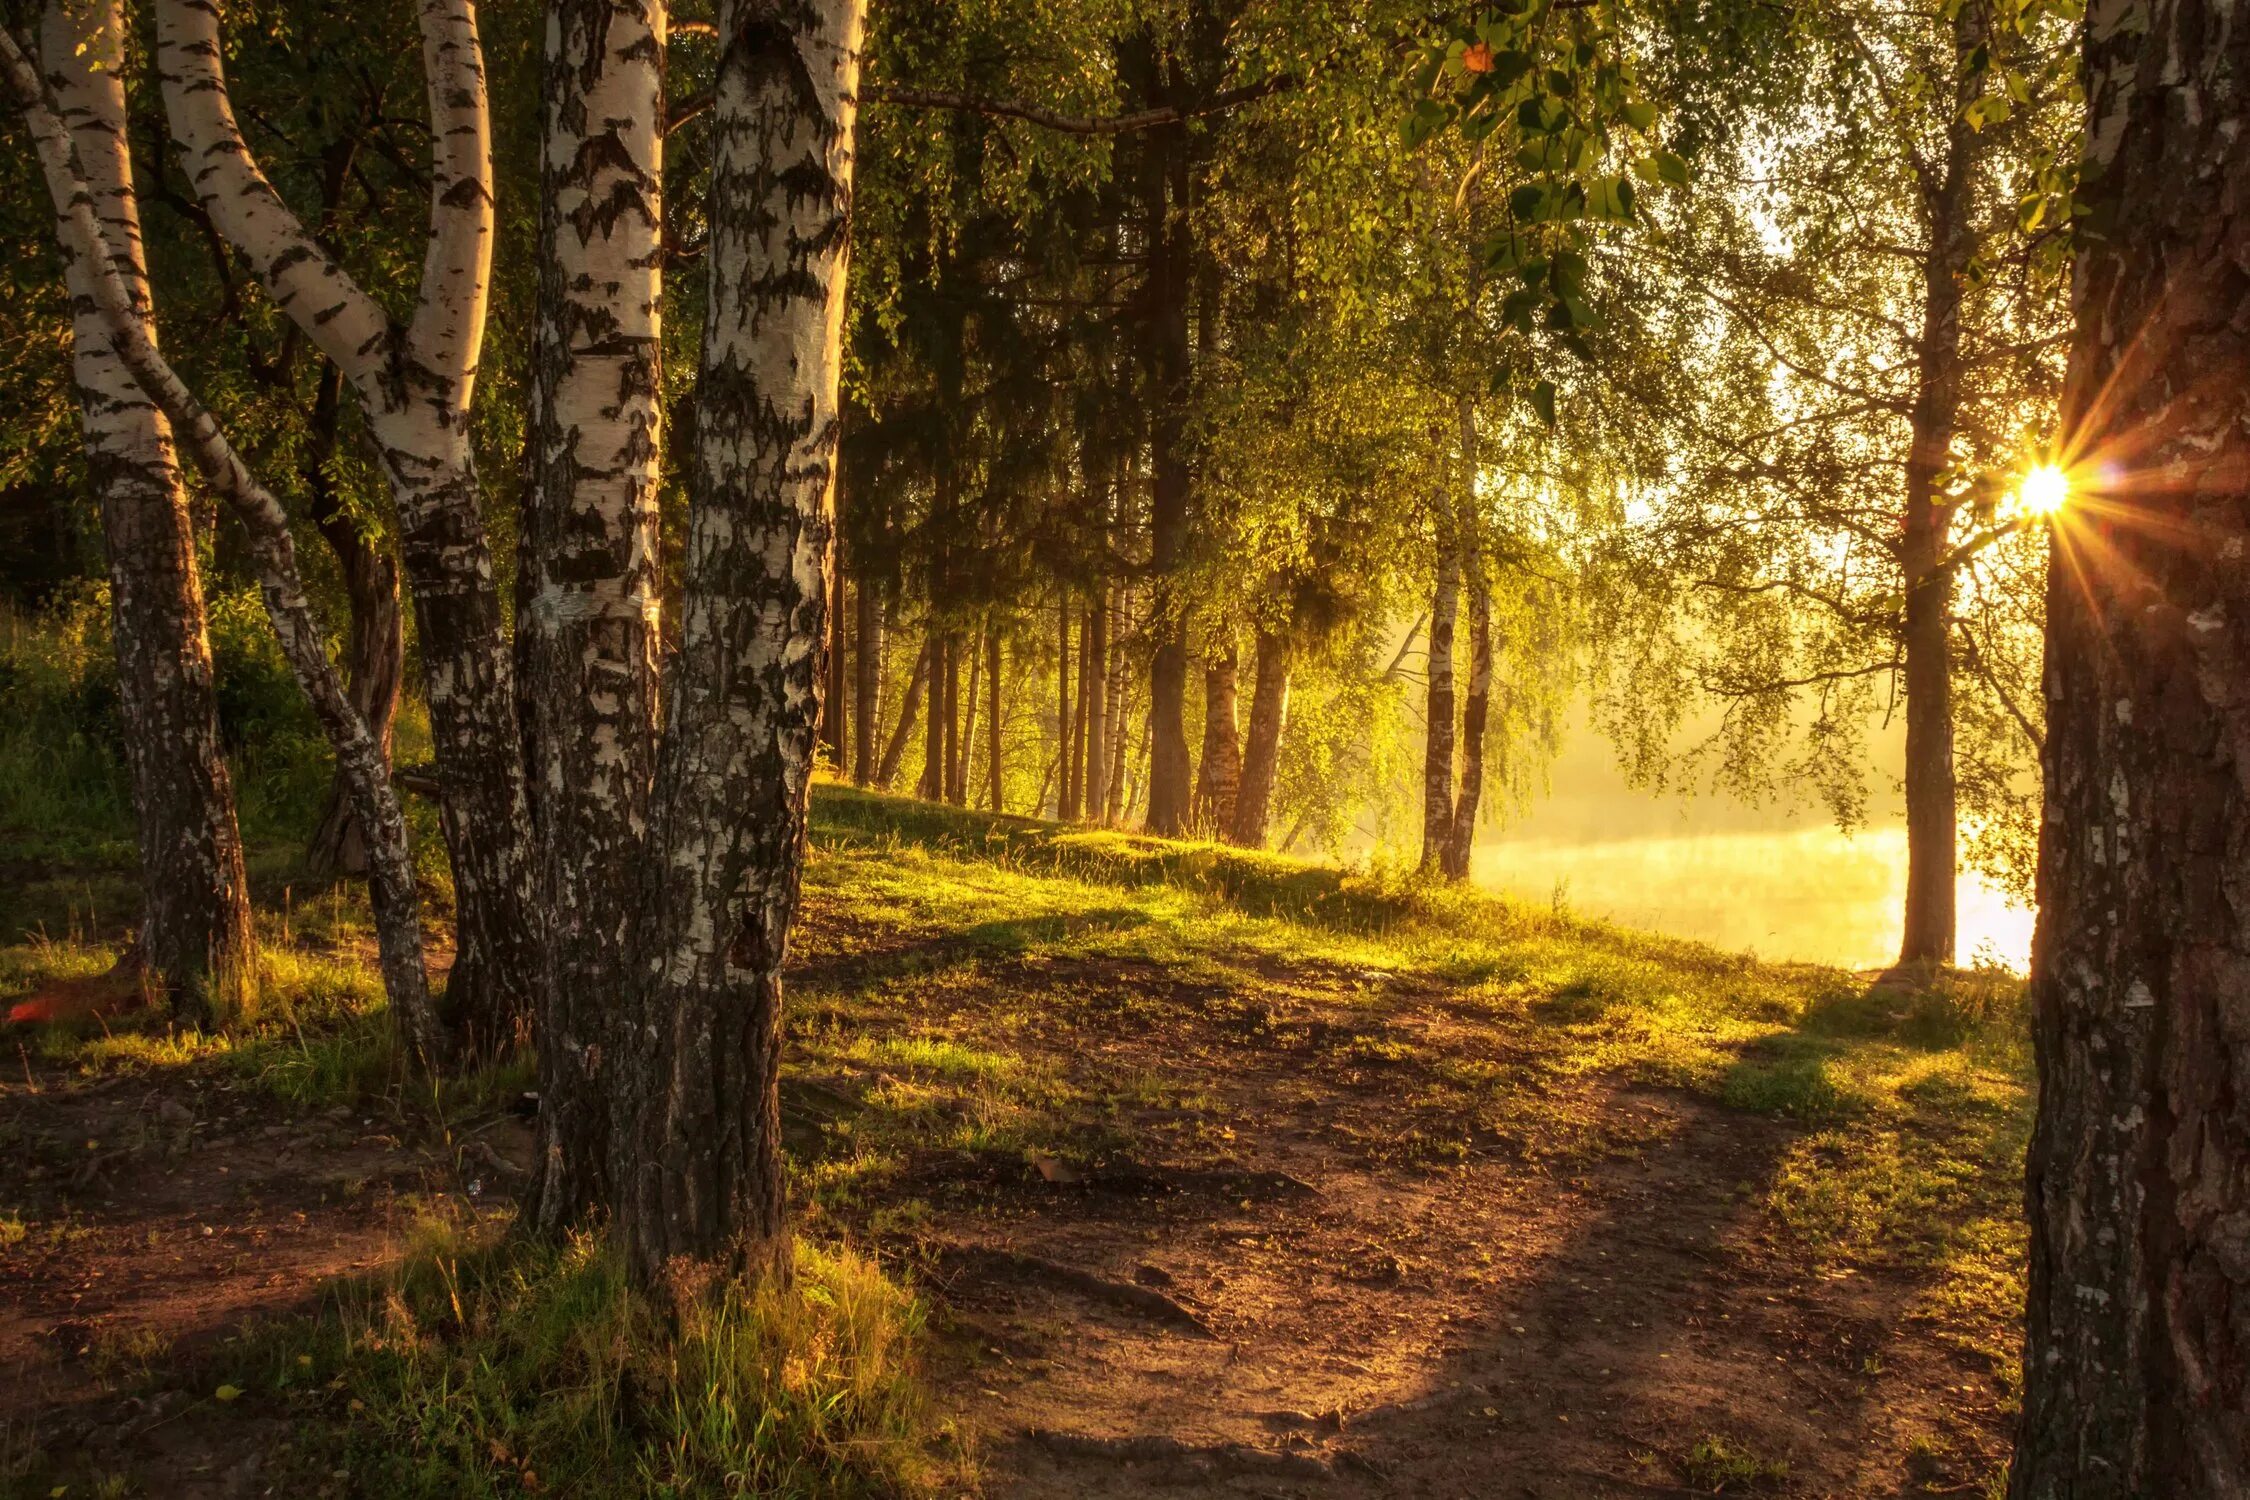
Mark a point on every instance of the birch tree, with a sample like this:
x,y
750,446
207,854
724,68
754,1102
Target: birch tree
x,y
414,380
195,936
586,625
2137,1364
117,311
698,1165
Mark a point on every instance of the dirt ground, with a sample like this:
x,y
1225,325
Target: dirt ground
x,y
1261,1293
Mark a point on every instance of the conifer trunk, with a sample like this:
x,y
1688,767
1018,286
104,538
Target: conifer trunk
x,y
902,733
867,681
931,788
1261,758
1168,357
1067,725
195,939
961,745
2137,1363
586,623
993,725
702,1189
833,718
1093,693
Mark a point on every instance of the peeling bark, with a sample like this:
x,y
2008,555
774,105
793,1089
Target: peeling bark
x,y
415,382
195,935
700,1181
2137,1365
1261,760
126,324
587,622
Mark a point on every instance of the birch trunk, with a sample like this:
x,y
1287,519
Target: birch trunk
x,y
1261,759
867,683
1437,755
126,325
1220,776
2137,1362
415,383
196,939
701,1185
587,621
1461,835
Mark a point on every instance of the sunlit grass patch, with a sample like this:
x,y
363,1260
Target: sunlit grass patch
x,y
483,1367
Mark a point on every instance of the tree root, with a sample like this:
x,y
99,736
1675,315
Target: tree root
x,y
1196,1459
1146,1301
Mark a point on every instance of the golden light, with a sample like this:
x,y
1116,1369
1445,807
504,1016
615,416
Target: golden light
x,y
2045,490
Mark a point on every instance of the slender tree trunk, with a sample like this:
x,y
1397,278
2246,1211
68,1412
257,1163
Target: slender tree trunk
x,y
932,786
1121,721
375,642
1927,643
832,716
586,622
195,938
964,743
702,1184
1068,733
894,751
126,325
2137,1360
867,681
1093,694
993,725
1171,774
1461,837
416,383
1221,774
1437,758
1261,760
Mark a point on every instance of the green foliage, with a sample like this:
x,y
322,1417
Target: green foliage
x,y
485,1367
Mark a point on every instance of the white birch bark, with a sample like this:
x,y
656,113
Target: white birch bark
x,y
415,383
124,323
587,621
195,936
701,1181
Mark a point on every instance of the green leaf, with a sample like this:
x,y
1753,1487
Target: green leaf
x,y
1672,167
1543,401
1639,113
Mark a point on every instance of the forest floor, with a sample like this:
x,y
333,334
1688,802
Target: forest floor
x,y
1218,1174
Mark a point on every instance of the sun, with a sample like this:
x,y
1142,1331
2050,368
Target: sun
x,y
2046,489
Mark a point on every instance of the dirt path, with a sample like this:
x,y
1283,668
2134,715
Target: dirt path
x,y
1263,1282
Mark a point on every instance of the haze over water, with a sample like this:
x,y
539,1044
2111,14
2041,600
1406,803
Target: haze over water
x,y
1779,881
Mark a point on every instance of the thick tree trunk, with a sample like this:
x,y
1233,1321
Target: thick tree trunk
x,y
1927,643
2137,1364
1093,694
701,1184
416,383
1461,838
1437,754
902,734
867,681
1069,732
1261,759
587,620
397,907
1220,775
195,939
374,642
993,726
